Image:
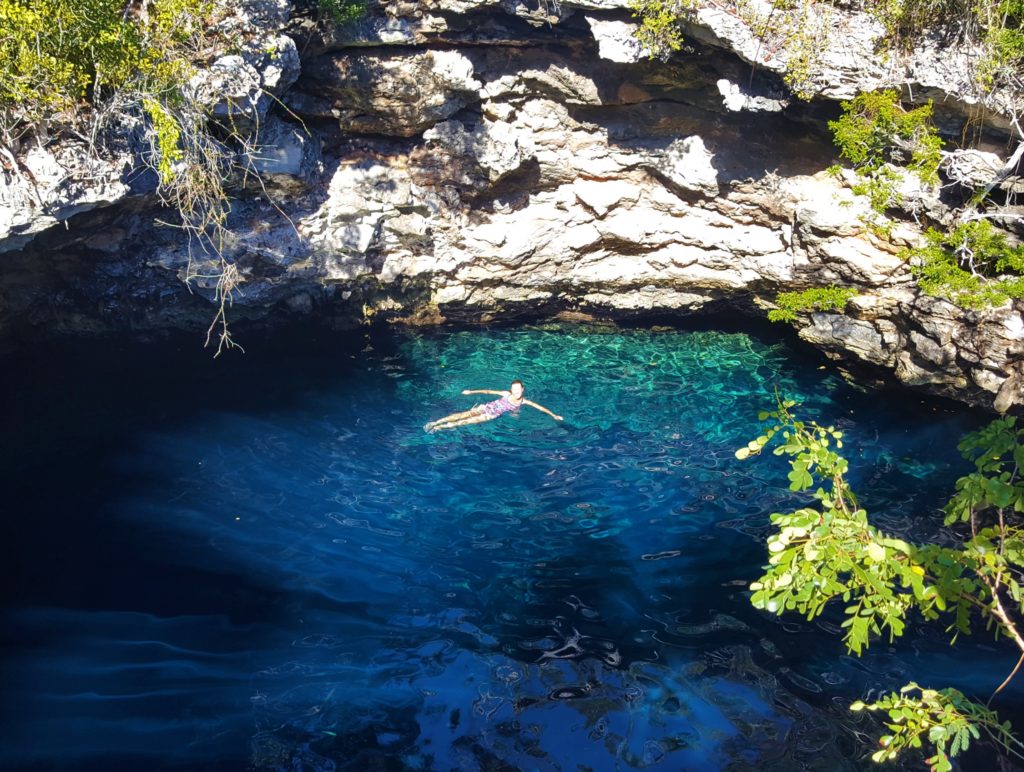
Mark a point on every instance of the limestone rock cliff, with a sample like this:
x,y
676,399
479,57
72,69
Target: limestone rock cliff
x,y
476,161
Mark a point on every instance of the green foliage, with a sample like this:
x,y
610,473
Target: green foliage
x,y
828,551
55,54
973,265
881,189
60,55
875,130
1004,42
997,452
829,298
874,122
659,31
168,138
73,60
343,11
53,51
946,718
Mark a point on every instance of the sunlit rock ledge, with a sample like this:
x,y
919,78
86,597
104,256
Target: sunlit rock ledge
x,y
481,161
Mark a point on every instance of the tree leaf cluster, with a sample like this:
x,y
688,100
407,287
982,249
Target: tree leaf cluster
x,y
829,552
973,265
945,718
875,131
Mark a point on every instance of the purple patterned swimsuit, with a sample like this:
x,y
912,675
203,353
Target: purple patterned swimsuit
x,y
498,407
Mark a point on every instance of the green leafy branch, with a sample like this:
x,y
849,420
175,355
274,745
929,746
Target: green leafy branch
x,y
828,551
973,265
831,298
945,718
874,131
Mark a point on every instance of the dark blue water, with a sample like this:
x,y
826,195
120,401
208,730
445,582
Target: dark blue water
x,y
264,562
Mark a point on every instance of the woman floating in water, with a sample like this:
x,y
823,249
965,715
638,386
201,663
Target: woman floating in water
x,y
512,399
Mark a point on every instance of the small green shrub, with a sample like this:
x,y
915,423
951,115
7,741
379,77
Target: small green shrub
x,y
57,55
1004,45
875,129
973,265
830,298
659,32
343,11
76,61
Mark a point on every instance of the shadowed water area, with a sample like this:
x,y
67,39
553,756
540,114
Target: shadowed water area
x,y
264,561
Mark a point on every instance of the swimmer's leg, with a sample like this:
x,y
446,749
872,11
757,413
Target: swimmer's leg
x,y
441,423
461,416
463,419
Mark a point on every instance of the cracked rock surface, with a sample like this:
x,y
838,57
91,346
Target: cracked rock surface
x,y
472,161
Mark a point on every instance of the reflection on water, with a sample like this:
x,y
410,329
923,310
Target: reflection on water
x,y
270,564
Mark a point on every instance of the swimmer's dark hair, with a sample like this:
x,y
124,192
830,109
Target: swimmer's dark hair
x,y
515,382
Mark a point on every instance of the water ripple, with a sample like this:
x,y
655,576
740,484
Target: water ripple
x,y
520,594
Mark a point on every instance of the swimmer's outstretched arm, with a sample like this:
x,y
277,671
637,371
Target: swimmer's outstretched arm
x,y
542,409
482,391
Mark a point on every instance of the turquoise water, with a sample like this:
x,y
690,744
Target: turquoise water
x,y
266,562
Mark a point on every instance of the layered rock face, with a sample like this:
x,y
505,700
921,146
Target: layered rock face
x,y
479,161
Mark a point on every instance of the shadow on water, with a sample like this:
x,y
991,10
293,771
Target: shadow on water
x,y
264,561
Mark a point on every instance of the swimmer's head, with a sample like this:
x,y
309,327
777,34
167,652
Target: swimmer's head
x,y
517,389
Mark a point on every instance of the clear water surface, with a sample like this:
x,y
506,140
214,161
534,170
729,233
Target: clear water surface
x,y
265,562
